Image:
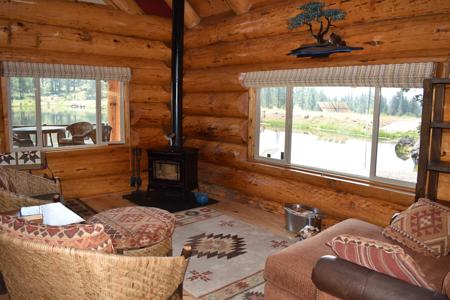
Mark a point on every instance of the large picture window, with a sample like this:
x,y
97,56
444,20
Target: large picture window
x,y
368,128
360,131
62,110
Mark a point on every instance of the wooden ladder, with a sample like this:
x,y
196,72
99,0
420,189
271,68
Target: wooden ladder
x,y
430,164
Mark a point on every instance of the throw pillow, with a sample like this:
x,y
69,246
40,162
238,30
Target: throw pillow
x,y
381,257
80,236
423,227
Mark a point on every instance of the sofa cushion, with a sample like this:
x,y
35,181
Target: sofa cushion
x,y
290,269
381,257
423,227
80,236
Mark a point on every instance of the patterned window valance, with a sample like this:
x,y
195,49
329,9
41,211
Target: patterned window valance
x,y
394,75
26,69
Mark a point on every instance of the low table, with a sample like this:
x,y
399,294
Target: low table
x,y
137,230
56,214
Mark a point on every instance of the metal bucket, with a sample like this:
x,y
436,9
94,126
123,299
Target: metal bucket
x,y
298,216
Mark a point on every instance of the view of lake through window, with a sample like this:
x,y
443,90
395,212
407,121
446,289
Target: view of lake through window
x,y
332,129
67,110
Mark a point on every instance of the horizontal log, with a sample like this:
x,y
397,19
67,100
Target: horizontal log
x,y
101,161
226,79
217,104
219,152
87,187
271,20
231,130
144,93
148,137
57,57
149,115
224,194
329,201
87,17
156,74
43,37
418,33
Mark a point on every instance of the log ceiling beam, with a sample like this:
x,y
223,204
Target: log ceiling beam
x,y
191,18
128,6
84,16
239,6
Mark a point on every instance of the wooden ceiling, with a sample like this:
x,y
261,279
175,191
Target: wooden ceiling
x,y
196,10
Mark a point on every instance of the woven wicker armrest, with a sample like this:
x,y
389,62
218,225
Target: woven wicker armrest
x,y
82,274
30,185
11,202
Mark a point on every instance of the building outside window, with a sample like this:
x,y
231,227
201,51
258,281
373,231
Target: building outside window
x,y
369,129
61,105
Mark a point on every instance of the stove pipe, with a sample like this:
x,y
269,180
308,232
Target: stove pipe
x,y
177,72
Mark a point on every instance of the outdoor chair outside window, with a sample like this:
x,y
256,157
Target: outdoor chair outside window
x,y
106,134
79,133
22,140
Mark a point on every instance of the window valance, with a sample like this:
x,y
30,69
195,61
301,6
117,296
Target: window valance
x,y
27,69
394,75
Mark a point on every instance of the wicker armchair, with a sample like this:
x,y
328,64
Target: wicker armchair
x,y
39,271
79,133
106,134
27,186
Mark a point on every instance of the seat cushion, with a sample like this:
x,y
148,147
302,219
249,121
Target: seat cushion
x,y
290,269
80,236
136,227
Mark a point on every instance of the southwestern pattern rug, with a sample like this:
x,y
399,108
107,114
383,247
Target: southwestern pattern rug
x,y
228,255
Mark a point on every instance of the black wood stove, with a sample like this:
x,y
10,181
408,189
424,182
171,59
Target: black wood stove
x,y
172,171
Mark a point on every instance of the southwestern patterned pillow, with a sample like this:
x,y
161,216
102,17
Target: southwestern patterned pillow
x,y
381,257
424,227
80,236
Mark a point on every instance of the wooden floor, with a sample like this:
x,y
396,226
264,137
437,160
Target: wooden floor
x,y
267,221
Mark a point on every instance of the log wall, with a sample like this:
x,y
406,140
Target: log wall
x,y
217,105
75,33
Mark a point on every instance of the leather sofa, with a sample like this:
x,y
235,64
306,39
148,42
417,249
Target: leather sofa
x,y
288,273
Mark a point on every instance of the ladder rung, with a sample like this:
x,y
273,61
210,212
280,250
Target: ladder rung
x,y
444,125
439,166
440,80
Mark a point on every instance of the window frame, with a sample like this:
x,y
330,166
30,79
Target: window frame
x,y
286,162
39,142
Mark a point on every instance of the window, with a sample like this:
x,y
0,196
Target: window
x,y
366,131
51,112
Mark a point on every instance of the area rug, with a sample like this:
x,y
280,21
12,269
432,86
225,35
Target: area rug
x,y
80,208
228,255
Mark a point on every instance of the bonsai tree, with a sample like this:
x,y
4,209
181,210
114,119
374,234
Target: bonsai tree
x,y
315,12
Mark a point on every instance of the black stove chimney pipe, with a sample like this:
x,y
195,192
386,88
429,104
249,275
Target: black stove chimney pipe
x,y
177,71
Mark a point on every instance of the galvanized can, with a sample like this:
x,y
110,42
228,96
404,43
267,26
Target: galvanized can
x,y
298,216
